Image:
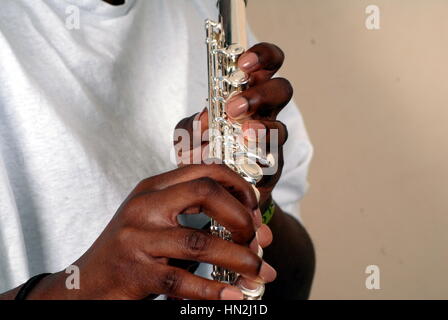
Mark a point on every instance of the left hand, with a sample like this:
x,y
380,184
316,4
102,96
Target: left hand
x,y
256,108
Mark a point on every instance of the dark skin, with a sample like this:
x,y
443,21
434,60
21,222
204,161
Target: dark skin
x,y
130,259
291,252
144,237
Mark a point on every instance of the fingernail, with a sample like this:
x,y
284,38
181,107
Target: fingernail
x,y
267,273
231,293
258,218
237,106
248,61
254,130
249,284
257,192
260,252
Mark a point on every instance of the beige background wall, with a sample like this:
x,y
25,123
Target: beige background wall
x,y
376,107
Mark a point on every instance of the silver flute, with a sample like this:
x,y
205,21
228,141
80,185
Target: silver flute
x,y
226,42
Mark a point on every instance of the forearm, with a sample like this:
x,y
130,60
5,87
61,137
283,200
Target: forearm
x,y
292,255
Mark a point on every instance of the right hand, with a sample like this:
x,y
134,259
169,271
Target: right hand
x,y
130,259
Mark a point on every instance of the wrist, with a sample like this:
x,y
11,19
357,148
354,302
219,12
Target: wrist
x,y
26,288
52,287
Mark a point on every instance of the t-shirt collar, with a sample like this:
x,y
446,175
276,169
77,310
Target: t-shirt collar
x,y
103,8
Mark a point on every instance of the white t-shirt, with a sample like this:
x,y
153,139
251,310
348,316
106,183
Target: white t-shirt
x,y
86,114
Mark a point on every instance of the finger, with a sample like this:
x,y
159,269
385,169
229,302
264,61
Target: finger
x,y
198,245
192,128
265,236
197,155
181,283
263,56
262,240
246,283
265,131
259,77
264,101
205,193
229,179
258,219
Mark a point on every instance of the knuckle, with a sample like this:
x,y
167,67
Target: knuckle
x,y
271,47
251,262
206,187
243,230
286,87
134,204
130,210
170,282
216,167
284,129
140,185
247,222
184,123
136,211
126,253
264,44
123,238
279,52
249,194
143,183
261,93
182,131
196,243
146,185
205,291
273,55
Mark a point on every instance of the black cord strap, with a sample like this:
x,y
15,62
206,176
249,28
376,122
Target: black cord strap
x,y
29,285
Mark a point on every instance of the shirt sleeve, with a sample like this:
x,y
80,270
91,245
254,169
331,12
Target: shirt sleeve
x,y
297,153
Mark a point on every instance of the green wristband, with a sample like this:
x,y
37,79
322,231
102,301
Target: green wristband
x,y
269,212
